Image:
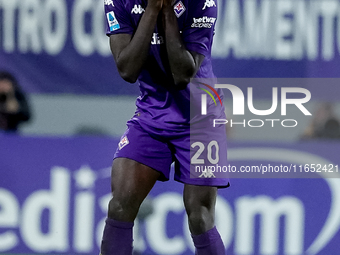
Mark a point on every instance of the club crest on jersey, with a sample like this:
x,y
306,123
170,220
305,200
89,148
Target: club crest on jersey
x,y
123,142
109,2
179,9
113,22
137,9
208,3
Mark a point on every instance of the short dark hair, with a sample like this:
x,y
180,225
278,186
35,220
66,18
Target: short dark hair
x,y
4,75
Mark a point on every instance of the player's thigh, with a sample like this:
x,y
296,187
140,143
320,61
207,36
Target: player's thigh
x,y
201,156
131,181
138,145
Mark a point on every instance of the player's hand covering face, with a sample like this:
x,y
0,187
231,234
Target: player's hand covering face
x,y
169,2
155,4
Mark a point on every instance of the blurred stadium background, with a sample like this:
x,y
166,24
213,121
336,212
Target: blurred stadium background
x,y
54,174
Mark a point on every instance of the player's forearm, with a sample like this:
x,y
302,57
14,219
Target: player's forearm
x,y
181,61
131,60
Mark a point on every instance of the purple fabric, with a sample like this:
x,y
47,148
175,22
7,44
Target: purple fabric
x,y
209,243
117,238
160,149
160,105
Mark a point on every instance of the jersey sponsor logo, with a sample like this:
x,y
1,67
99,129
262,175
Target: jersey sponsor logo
x,y
123,142
109,2
157,39
179,9
113,22
137,9
208,3
204,22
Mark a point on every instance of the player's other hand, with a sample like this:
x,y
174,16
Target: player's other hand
x,y
168,3
155,5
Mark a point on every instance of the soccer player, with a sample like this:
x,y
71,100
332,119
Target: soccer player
x,y
163,44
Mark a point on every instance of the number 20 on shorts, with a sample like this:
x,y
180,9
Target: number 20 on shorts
x,y
213,145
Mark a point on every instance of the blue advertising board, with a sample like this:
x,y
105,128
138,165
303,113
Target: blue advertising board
x,y
54,194
60,46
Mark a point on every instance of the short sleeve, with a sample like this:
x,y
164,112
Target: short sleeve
x,y
118,20
198,30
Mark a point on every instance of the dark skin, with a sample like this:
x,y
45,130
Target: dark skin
x,y
132,181
127,49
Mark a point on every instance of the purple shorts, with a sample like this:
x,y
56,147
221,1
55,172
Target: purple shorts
x,y
193,153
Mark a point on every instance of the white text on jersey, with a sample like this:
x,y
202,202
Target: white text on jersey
x,y
204,22
157,39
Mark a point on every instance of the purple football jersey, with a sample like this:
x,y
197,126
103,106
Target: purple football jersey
x,y
160,106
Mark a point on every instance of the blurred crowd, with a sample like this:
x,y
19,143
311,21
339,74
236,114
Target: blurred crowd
x,y
324,125
14,108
